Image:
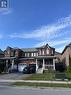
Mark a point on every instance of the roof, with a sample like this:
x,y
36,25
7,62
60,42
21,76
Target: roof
x,y
57,53
69,45
3,58
34,49
29,49
46,46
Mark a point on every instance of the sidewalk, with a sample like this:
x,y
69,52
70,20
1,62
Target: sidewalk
x,y
35,81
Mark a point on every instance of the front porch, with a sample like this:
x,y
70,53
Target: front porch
x,y
10,64
45,63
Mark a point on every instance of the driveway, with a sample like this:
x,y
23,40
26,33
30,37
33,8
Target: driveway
x,y
13,76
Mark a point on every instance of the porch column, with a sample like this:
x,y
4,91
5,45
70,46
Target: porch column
x,y
6,65
12,64
43,64
54,64
36,65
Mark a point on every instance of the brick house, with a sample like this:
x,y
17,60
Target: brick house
x,y
43,57
65,54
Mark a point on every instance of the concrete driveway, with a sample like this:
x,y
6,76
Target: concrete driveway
x,y
13,76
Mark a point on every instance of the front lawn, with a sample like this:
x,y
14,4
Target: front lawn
x,y
47,76
44,76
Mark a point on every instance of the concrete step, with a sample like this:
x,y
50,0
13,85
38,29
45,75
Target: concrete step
x,y
40,71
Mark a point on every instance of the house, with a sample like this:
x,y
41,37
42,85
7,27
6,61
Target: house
x,y
65,54
42,57
1,53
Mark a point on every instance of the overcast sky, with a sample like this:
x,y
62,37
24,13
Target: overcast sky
x,y
33,23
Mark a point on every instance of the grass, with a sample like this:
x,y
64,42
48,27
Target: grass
x,y
48,76
45,77
42,84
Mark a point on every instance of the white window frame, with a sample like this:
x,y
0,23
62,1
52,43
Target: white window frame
x,y
39,52
32,54
25,54
47,51
42,52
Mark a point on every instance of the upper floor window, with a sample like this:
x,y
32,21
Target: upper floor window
x,y
32,54
25,54
42,52
39,52
12,53
47,51
8,52
52,51
28,54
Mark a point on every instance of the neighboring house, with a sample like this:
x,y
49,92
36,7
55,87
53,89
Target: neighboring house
x,y
43,57
65,54
1,53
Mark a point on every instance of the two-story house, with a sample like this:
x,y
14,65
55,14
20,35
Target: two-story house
x,y
42,57
65,54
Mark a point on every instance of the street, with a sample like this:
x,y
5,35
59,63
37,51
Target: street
x,y
7,90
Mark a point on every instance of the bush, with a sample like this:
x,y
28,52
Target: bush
x,y
2,66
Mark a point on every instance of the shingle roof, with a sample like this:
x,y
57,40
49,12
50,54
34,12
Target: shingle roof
x,y
56,53
29,49
69,45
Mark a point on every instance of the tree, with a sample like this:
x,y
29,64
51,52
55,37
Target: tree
x,y
69,67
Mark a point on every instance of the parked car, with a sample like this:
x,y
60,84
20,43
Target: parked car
x,y
29,69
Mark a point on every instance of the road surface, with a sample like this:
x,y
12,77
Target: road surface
x,y
7,90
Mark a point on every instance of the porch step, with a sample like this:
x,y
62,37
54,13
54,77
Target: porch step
x,y
40,71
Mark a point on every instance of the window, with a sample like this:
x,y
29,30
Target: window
x,y
12,53
32,54
25,54
47,51
52,51
28,54
39,52
42,52
8,52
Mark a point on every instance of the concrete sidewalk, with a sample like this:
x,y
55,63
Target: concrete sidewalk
x,y
35,81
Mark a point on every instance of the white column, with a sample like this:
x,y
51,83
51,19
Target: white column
x,y
43,64
12,64
6,65
54,64
36,65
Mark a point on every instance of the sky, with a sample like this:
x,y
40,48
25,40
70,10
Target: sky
x,y
33,23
